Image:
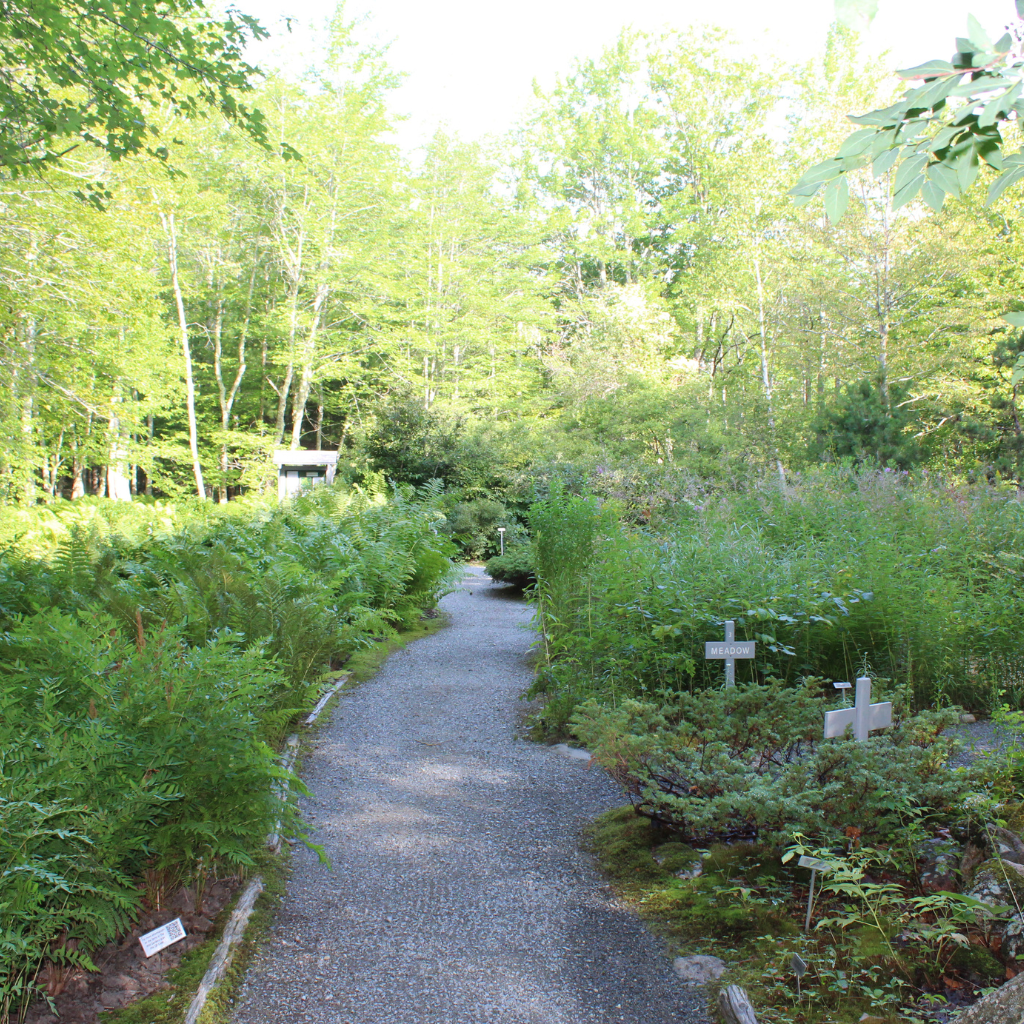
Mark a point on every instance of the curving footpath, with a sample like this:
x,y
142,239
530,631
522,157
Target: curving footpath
x,y
458,892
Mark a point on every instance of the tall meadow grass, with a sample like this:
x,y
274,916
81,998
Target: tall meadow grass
x,y
834,575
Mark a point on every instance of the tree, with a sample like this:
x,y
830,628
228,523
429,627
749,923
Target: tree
x,y
939,134
92,72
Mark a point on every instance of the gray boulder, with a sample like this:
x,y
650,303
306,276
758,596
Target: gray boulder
x,y
1004,1006
1000,884
698,970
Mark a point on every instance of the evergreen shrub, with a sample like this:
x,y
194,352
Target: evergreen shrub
x,y
514,567
749,763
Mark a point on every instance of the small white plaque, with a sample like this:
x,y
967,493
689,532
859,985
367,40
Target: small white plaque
x,y
814,864
842,686
799,965
162,937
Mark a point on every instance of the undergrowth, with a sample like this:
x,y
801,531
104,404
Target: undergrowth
x,y
877,946
151,660
839,575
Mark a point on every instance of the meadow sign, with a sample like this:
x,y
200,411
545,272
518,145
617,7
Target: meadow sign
x,y
729,651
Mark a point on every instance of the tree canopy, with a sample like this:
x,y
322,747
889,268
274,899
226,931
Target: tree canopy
x,y
95,72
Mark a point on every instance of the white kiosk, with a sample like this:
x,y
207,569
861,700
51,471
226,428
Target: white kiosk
x,y
300,469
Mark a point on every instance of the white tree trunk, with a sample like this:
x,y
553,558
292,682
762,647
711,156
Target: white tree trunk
x,y
186,351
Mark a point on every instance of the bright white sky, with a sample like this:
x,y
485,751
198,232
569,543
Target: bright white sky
x,y
470,64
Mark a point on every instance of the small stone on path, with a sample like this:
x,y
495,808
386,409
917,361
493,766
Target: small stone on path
x,y
566,751
698,969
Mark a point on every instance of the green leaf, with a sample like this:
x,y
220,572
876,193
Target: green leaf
x,y
1002,183
857,143
964,46
932,195
1018,371
980,86
908,192
930,69
1016,319
935,93
967,169
990,151
819,173
837,199
992,111
945,178
977,33
1020,8
884,162
885,118
910,168
1005,43
943,138
802,194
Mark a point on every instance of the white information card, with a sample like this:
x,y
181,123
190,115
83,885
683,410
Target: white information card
x,y
162,937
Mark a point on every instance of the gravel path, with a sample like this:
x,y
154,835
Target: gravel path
x,y
459,892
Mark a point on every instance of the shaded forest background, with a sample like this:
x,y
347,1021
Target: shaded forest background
x,y
619,291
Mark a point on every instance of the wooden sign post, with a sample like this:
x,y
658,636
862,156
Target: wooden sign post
x,y
729,651
862,717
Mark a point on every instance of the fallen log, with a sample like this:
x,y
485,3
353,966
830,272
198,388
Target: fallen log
x,y
735,1006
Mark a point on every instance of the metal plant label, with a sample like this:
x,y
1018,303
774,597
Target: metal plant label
x,y
162,937
729,651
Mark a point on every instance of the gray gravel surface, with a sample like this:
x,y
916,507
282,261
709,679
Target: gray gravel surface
x,y
459,892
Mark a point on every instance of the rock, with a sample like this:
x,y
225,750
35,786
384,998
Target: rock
x,y
1003,1006
122,983
973,856
574,752
938,865
698,970
1000,886
968,719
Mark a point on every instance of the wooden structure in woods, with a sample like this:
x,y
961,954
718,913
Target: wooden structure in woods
x,y
297,470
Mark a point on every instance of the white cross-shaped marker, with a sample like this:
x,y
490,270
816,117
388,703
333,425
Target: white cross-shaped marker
x,y
863,716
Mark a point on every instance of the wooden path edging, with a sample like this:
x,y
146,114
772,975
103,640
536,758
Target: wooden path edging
x,y
234,930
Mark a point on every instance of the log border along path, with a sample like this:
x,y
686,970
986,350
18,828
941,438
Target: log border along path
x,y
459,891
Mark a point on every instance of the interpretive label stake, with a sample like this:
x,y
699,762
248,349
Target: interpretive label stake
x,y
162,937
729,651
816,865
799,969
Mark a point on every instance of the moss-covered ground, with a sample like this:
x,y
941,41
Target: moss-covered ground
x,y
747,908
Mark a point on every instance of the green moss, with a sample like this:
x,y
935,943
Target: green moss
x,y
365,663
701,910
979,961
675,857
622,841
